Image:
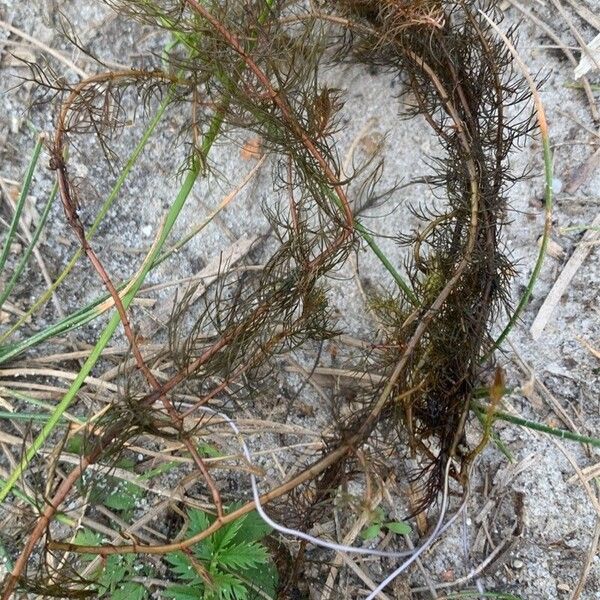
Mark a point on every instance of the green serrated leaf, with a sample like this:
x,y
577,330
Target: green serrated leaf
x,y
371,532
114,572
130,591
253,529
243,556
125,463
263,577
398,527
86,537
199,521
183,592
183,567
226,587
225,536
235,560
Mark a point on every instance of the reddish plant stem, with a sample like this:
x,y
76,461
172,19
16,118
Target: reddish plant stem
x,y
293,204
282,104
70,209
75,223
306,475
210,482
70,205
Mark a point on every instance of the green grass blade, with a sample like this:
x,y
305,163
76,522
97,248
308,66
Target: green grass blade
x,y
402,284
35,402
563,434
22,416
368,237
131,161
73,321
21,201
34,240
579,86
102,342
548,170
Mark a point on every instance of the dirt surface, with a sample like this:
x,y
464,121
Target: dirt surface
x,y
537,515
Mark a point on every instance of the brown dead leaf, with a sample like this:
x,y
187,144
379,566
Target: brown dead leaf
x,y
371,143
252,149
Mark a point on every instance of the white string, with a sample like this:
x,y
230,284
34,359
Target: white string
x,y
286,530
413,554
438,529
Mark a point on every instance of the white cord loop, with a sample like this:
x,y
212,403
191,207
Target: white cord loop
x,y
412,554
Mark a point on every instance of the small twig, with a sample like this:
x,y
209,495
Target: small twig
x,y
500,548
582,43
591,555
60,374
362,576
39,44
550,33
586,14
430,540
561,284
584,172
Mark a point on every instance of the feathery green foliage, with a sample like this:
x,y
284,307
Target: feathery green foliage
x,y
227,565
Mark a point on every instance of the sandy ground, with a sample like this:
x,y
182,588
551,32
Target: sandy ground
x,y
542,507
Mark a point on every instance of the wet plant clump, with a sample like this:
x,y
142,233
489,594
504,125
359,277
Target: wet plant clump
x,y
255,68
462,80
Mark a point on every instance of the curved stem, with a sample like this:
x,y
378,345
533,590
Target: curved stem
x,y
548,170
131,161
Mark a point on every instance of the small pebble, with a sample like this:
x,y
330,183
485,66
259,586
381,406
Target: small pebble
x,y
15,124
563,587
557,185
518,564
554,249
146,230
573,542
80,170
